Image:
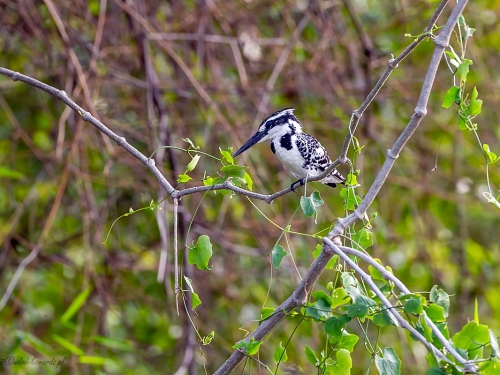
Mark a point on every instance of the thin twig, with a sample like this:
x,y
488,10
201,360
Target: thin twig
x,y
13,282
213,38
176,255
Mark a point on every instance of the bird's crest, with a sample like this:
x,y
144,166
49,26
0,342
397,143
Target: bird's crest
x,y
280,117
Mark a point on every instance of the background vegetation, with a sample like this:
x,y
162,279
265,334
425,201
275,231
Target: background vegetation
x,y
156,72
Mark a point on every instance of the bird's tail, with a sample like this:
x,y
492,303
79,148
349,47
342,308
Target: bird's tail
x,y
334,178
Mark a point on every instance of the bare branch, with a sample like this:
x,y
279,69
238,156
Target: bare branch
x,y
86,116
441,42
17,275
213,38
176,255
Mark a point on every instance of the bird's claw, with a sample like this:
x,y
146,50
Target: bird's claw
x,y
301,182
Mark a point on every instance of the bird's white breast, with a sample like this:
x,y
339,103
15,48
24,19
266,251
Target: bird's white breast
x,y
291,159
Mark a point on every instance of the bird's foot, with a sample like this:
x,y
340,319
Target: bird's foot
x,y
301,182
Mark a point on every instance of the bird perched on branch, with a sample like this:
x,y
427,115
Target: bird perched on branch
x,y
299,152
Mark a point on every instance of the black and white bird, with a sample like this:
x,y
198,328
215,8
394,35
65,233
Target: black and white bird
x,y
300,153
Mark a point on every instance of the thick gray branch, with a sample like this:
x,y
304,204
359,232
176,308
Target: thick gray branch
x,y
441,42
298,298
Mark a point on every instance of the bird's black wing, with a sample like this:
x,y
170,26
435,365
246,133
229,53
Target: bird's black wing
x,y
316,158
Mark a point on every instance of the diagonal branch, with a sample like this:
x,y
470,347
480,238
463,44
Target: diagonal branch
x,y
86,116
441,42
341,250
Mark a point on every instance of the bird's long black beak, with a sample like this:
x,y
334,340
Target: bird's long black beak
x,y
252,141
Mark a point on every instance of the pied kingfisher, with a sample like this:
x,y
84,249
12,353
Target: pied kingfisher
x,y
299,152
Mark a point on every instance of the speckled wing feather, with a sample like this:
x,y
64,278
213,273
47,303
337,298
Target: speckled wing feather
x,y
315,156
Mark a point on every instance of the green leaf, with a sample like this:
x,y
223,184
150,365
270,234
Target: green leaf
x,y
251,346
68,345
183,178
187,140
234,171
494,344
362,239
208,338
319,294
471,338
357,310
462,125
339,297
348,341
280,354
319,310
375,273
277,255
227,155
435,313
76,304
209,181
189,283
266,312
431,360
424,328
351,180
440,297
249,181
443,327
311,356
492,157
192,164
383,318
10,173
195,301
342,365
451,96
331,262
309,204
334,325
316,199
351,200
475,104
201,253
435,371
353,289
463,69
413,306
389,364
117,344
92,360
492,367
453,54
